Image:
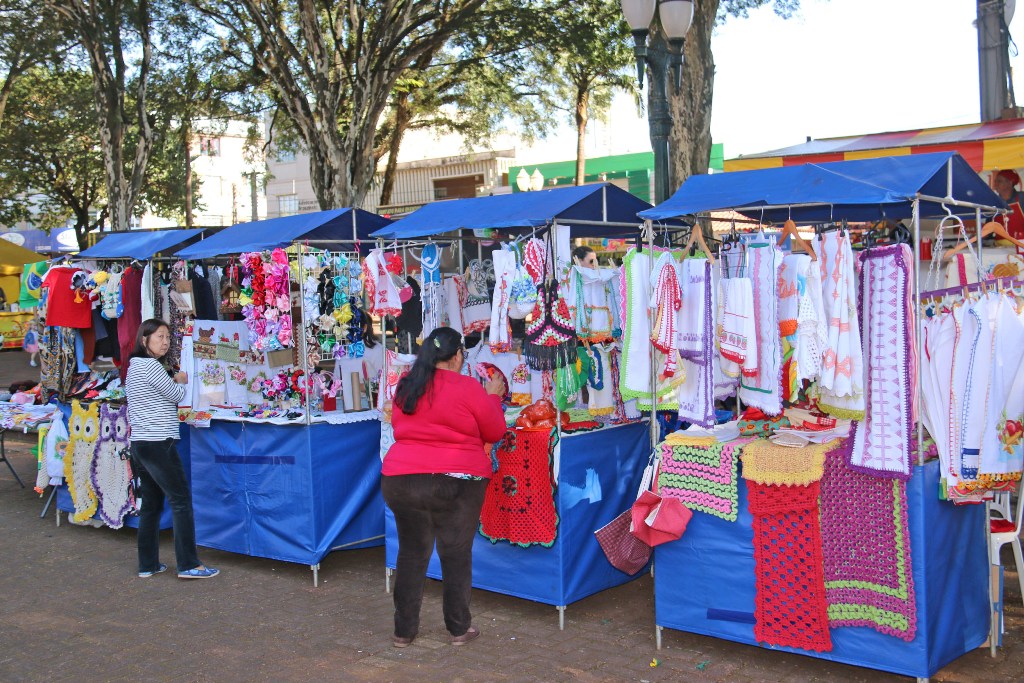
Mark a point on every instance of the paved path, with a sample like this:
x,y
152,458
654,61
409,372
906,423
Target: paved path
x,y
72,609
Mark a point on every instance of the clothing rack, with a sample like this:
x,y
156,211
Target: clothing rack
x,y
1002,283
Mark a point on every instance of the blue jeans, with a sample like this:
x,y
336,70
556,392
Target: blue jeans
x,y
158,467
429,508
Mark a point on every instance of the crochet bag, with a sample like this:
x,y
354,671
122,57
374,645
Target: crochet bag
x,y
624,551
550,336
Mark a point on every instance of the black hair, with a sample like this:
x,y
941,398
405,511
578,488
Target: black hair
x,y
580,253
147,328
369,336
440,345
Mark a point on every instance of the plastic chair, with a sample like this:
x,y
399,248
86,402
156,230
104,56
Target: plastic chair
x,y
1001,505
1008,531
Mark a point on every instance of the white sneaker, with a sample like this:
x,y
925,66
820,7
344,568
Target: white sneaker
x,y
33,363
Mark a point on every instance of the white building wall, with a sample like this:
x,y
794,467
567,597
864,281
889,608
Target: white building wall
x,y
221,166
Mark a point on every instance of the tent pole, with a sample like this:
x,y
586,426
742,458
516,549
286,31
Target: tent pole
x,y
303,345
918,328
649,234
977,226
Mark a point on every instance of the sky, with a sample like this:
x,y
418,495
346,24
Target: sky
x,y
838,67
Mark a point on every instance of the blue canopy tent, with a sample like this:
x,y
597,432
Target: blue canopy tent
x,y
599,210
611,459
288,492
324,228
862,190
137,245
916,186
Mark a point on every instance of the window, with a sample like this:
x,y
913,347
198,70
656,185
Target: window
x,y
209,147
285,156
288,205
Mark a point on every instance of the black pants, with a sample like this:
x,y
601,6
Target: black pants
x,y
431,507
161,475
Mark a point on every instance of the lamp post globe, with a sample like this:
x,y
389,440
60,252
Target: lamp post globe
x,y
523,180
537,180
675,18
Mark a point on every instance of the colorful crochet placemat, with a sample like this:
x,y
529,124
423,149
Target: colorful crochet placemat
x,y
790,608
768,463
866,544
519,505
702,474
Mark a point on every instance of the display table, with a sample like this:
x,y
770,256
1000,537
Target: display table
x,y
704,583
287,492
574,566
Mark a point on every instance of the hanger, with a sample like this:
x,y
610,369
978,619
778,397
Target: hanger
x,y
696,234
990,228
789,230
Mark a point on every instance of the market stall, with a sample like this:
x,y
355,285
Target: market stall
x,y
836,364
284,442
89,312
544,551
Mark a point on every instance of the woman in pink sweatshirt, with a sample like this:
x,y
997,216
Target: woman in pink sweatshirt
x,y
435,476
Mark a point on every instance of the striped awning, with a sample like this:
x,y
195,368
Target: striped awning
x,y
989,146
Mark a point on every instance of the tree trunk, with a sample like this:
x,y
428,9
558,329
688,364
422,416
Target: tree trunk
x,y
582,111
402,118
186,140
98,29
690,141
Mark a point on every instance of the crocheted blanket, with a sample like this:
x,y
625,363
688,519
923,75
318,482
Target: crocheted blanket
x,y
768,463
866,545
702,474
881,441
519,506
790,607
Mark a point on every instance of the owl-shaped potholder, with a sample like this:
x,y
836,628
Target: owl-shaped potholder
x,y
110,474
84,432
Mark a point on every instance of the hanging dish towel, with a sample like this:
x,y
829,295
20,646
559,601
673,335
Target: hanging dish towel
x,y
841,386
504,272
764,390
737,336
881,441
696,395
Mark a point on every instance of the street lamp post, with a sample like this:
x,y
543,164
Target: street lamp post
x,y
675,17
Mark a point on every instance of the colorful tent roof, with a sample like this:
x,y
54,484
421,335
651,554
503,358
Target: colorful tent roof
x,y
985,146
861,190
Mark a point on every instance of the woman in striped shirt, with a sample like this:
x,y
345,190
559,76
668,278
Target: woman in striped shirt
x,y
153,393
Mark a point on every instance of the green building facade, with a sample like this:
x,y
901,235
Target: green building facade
x,y
633,172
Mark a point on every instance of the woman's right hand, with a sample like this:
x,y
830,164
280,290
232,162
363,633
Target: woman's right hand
x,y
181,377
495,385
